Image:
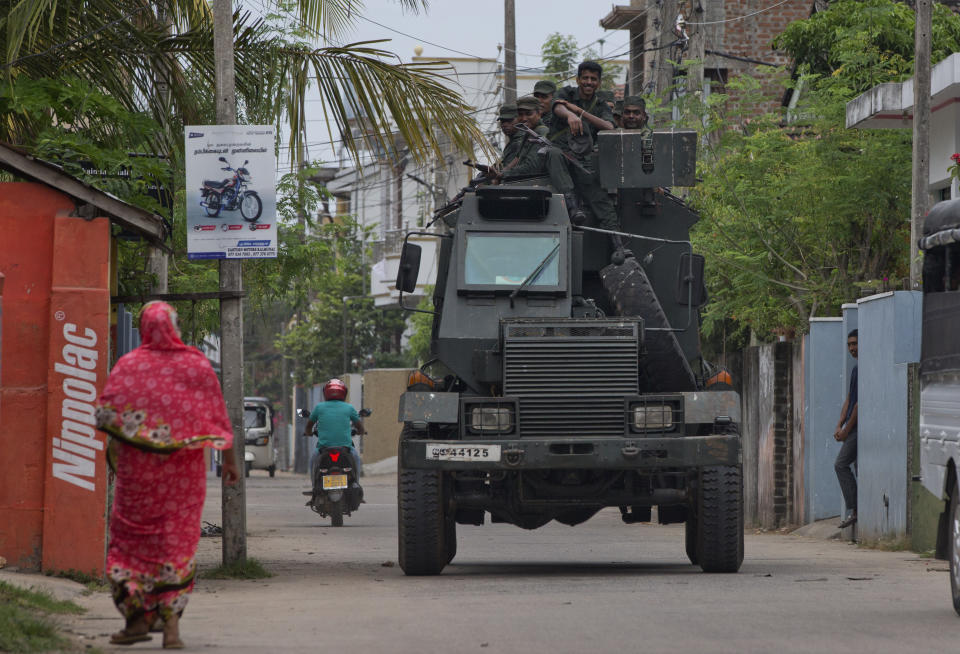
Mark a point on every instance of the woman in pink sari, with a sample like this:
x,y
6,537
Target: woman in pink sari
x,y
162,405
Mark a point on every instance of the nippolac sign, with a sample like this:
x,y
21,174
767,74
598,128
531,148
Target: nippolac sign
x,y
53,364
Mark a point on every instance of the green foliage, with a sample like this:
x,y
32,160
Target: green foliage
x,y
861,44
25,625
422,323
799,213
247,569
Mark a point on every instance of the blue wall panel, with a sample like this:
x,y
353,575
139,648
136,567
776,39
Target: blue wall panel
x,y
889,340
825,363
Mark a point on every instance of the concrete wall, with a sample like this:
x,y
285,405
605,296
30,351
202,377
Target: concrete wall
x,y
825,361
769,454
889,342
382,388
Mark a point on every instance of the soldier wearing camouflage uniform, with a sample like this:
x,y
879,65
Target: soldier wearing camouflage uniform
x,y
579,113
523,155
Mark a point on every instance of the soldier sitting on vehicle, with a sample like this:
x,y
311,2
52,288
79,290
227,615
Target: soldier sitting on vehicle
x,y
544,91
531,153
635,115
579,113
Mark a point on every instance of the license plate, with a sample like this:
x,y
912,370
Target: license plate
x,y
333,482
457,452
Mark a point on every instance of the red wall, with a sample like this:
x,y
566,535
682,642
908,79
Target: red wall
x,y
55,310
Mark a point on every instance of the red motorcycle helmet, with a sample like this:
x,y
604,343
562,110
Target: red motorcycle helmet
x,y
334,390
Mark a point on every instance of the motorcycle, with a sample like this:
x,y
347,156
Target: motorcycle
x,y
336,489
231,194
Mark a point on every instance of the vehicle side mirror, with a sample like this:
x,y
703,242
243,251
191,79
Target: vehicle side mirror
x,y
302,413
246,161
223,159
365,412
409,268
690,287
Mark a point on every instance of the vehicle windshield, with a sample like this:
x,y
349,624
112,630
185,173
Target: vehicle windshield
x,y
254,417
508,259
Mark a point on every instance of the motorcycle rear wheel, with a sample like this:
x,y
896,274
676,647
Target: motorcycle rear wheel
x,y
213,206
336,514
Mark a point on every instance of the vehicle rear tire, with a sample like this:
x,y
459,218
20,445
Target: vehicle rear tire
x,y
422,526
213,206
336,514
954,545
219,470
273,470
690,537
247,468
720,519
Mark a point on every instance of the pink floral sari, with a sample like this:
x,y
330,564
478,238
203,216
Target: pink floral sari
x,y
162,404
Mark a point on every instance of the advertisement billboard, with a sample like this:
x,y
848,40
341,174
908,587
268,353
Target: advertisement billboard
x,y
231,192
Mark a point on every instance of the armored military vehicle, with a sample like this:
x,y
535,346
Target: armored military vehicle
x,y
567,374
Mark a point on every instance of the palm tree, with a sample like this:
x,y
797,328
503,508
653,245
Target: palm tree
x,y
156,57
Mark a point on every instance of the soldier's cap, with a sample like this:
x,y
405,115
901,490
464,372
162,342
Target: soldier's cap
x,y
508,111
545,86
635,101
528,102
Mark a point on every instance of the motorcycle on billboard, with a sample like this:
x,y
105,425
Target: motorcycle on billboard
x,y
231,194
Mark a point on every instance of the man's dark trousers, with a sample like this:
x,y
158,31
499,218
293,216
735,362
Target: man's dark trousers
x,y
846,458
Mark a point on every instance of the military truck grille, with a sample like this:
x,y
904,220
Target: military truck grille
x,y
571,377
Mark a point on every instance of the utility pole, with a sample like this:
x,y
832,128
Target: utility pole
x,y
920,197
509,52
663,72
696,53
231,308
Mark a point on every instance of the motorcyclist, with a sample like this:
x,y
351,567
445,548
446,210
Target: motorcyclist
x,y
332,419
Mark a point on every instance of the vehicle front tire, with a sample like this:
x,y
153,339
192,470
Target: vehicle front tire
x,y
247,468
219,470
954,545
251,206
720,519
273,470
422,526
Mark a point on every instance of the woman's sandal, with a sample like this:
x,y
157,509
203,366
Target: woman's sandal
x,y
172,640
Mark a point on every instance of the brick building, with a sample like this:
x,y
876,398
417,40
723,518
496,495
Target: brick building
x,y
736,35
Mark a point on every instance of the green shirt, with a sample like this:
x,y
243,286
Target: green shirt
x,y
333,419
522,155
560,130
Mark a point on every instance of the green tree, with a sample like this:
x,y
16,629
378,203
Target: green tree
x,y
798,213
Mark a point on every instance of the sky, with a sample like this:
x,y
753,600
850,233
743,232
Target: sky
x,y
476,28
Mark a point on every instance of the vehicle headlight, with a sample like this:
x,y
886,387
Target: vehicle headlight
x,y
496,419
653,418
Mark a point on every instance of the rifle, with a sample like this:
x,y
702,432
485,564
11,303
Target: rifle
x,y
544,141
486,174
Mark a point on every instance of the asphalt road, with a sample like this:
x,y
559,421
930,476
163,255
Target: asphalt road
x,y
599,587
